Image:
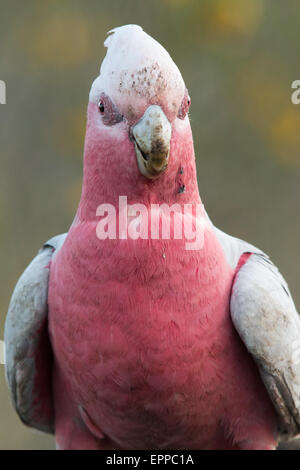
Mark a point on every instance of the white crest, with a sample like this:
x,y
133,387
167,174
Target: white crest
x,y
137,70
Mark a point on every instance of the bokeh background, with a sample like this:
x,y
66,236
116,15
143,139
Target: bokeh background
x,y
238,58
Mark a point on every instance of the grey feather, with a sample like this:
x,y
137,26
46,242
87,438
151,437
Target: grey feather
x,y
264,314
28,349
234,247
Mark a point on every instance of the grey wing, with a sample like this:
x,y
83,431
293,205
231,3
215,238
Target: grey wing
x,y
264,314
28,356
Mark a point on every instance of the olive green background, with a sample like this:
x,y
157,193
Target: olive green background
x,y
238,58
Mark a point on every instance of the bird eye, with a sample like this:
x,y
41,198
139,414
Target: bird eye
x,y
101,107
108,111
185,105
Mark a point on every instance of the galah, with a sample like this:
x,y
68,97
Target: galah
x,y
123,342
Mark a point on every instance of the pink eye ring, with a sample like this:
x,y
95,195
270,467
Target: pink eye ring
x,y
108,111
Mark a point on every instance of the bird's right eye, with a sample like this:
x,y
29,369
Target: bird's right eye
x,y
101,107
108,111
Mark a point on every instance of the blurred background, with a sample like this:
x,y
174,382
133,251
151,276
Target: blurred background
x,y
238,59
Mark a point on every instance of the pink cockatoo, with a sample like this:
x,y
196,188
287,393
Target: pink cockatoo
x,y
119,342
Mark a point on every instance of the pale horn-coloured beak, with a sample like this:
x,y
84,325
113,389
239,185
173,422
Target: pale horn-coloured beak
x,y
152,137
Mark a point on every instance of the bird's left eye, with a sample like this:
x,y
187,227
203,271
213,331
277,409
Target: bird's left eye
x,y
185,105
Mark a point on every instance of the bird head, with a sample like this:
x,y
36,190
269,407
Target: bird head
x,y
138,130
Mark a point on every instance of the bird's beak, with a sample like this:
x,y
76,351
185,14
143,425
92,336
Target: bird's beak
x,y
152,137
